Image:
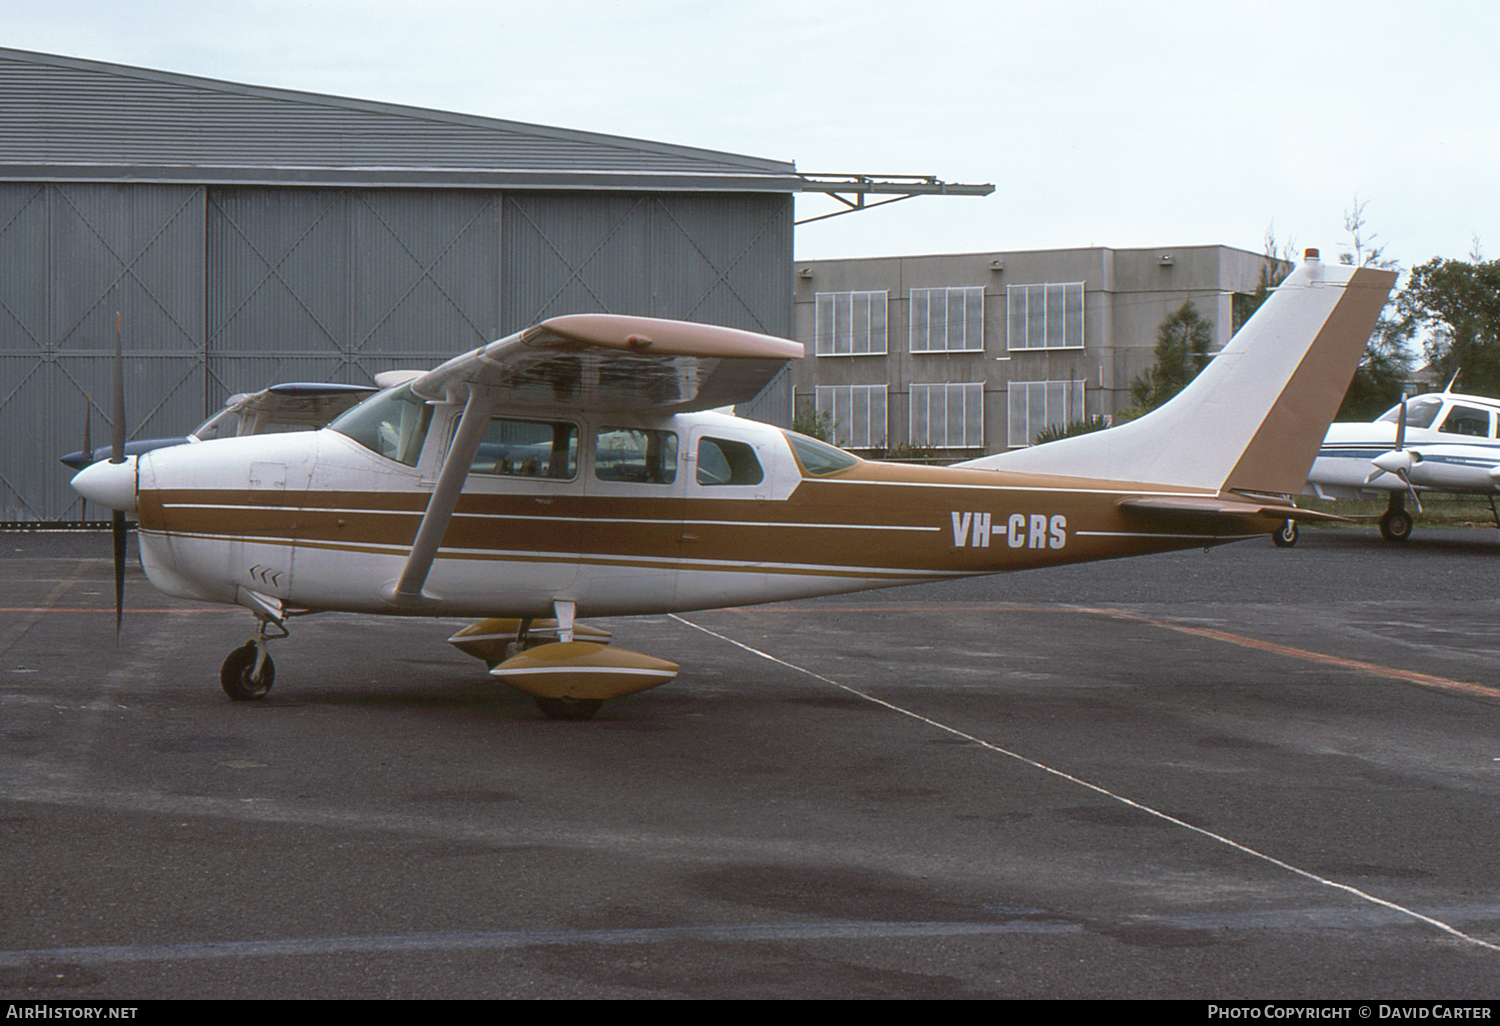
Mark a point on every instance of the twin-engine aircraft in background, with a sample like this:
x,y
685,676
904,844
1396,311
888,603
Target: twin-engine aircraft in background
x,y
1440,442
292,406
571,470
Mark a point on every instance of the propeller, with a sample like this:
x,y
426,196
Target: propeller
x,y
118,457
1398,461
88,449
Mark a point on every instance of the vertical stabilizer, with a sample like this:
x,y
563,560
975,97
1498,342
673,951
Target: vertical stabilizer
x,y
1253,419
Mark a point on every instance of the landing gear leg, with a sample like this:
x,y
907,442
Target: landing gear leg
x,y
248,673
1395,523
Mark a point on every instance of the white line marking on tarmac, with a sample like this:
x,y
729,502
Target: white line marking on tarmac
x,y
1220,838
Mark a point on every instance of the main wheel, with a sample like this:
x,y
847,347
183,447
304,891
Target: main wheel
x,y
568,708
236,675
1395,525
1286,537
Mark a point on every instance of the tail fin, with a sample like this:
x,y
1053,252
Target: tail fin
x,y
1253,419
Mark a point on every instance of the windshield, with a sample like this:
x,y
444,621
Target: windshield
x,y
1420,412
392,423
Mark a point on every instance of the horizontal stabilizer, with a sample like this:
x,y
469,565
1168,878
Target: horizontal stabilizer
x,y
1226,510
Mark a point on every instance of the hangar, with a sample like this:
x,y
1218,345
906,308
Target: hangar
x,y
246,235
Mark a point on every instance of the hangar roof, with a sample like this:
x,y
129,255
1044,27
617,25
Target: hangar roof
x,y
68,119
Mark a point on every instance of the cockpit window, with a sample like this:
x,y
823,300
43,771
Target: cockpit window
x,y
392,423
818,459
1420,413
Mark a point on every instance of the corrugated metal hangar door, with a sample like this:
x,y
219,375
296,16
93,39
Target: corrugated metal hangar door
x,y
335,284
716,259
711,258
71,258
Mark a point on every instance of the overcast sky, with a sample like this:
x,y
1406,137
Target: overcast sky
x,y
1148,123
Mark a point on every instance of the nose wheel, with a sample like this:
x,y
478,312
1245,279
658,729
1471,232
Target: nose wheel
x,y
248,673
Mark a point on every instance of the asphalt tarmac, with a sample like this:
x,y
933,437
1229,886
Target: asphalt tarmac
x,y
1246,773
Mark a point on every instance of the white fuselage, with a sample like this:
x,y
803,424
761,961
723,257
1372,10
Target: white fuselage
x,y
1453,450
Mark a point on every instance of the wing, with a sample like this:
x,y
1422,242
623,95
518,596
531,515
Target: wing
x,y
609,361
584,361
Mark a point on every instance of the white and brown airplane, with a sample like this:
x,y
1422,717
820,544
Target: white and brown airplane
x,y
571,469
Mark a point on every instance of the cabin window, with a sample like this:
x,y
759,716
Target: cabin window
x,y
527,448
1466,420
392,423
723,462
635,455
818,458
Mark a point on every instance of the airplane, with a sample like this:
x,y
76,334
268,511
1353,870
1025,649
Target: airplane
x,y
575,468
290,406
1442,442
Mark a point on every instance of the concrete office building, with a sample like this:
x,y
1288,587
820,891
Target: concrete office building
x,y
975,353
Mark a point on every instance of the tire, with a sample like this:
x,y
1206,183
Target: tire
x,y
235,676
1396,525
1286,535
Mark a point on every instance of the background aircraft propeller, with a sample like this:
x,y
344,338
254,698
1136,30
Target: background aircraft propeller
x,y
1398,461
88,448
118,456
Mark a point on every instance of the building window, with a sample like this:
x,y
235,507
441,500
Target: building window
x,y
945,416
1045,316
949,320
857,413
1033,405
850,324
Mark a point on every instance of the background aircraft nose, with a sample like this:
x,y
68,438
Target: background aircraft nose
x,y
109,484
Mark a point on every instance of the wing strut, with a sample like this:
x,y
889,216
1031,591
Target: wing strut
x,y
445,494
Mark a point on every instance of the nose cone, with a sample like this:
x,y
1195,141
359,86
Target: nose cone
x,y
109,484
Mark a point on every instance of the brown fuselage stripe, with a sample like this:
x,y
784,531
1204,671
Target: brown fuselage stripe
x,y
949,526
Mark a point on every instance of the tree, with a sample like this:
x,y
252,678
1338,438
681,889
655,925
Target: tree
x,y
1381,375
1182,342
1278,264
1456,305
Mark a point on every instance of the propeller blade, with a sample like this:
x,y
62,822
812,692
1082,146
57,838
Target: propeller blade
x,y
117,432
118,443
1405,475
118,525
1401,426
88,447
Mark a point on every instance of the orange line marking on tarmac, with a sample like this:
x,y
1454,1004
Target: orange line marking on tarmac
x,y
1410,676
